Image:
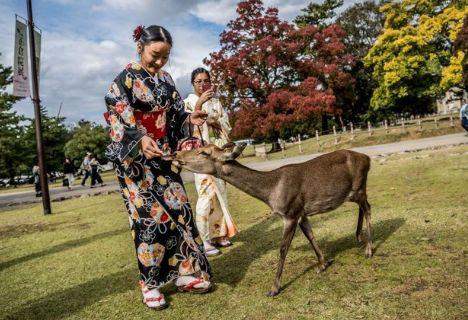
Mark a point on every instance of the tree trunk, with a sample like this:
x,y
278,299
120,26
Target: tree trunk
x,y
324,123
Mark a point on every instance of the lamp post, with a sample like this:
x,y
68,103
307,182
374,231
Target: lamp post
x,y
37,113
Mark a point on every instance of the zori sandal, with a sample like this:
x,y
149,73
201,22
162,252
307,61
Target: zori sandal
x,y
152,301
190,287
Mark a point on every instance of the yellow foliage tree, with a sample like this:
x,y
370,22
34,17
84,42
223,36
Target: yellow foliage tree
x,y
414,59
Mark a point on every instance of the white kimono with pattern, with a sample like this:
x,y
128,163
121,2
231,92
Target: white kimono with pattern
x,y
212,220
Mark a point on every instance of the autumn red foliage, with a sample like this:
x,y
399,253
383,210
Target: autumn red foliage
x,y
272,75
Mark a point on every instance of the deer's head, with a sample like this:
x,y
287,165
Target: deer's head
x,y
208,159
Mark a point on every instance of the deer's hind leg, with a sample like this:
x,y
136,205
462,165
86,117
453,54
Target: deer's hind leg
x,y
359,224
307,230
367,215
364,212
289,230
360,198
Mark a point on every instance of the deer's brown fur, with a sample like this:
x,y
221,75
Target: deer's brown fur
x,y
294,191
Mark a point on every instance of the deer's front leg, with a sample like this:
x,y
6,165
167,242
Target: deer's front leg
x,y
288,235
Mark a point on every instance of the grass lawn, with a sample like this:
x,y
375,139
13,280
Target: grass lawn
x,y
79,263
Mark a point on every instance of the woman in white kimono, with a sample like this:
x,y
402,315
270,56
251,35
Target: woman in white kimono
x,y
213,219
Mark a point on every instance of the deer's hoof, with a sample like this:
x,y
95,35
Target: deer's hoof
x,y
369,252
359,238
323,266
272,293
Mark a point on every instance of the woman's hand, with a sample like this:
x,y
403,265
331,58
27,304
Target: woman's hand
x,y
205,96
150,148
198,117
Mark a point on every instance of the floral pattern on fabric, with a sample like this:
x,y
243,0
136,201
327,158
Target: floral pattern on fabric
x,y
175,196
166,239
212,221
150,254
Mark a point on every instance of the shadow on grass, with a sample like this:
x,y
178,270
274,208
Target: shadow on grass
x,y
382,230
61,247
259,239
61,304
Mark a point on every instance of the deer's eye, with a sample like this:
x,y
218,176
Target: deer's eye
x,y
203,153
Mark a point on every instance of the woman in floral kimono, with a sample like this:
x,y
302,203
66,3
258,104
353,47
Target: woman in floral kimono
x,y
147,120
213,219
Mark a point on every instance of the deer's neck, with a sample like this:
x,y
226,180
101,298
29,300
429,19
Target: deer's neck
x,y
258,184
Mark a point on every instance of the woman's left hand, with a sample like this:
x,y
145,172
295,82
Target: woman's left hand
x,y
198,117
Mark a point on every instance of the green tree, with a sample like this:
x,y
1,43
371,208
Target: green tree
x,y
11,149
320,15
363,23
54,136
461,45
413,59
87,137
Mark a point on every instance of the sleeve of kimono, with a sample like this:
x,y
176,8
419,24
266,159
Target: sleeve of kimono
x,y
188,106
123,130
224,119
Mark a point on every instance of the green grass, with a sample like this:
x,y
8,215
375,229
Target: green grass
x,y
379,136
79,263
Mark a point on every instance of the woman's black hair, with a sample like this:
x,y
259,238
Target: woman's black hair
x,y
198,71
145,35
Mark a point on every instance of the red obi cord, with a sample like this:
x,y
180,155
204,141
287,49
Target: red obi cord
x,y
154,122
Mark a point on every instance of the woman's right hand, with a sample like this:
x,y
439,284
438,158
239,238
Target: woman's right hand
x,y
150,148
205,96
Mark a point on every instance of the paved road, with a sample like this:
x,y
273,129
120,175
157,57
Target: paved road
x,y
9,199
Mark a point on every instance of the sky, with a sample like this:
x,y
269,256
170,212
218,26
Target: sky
x,y
85,44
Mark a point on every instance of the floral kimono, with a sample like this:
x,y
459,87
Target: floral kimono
x,y
212,215
166,239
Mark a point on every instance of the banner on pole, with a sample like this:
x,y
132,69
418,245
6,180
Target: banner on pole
x,y
21,70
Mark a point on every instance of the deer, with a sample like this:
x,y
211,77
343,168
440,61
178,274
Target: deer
x,y
293,192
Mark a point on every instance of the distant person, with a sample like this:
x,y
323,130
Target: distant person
x,y
213,219
69,172
464,115
86,168
95,176
37,180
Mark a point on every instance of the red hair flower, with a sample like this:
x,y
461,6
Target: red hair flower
x,y
137,33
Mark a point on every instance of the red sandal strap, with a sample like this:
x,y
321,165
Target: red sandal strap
x,y
153,299
193,283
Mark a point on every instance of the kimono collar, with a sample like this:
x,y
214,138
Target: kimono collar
x,y
157,77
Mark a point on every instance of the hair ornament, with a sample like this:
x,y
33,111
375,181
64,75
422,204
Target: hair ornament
x,y
138,32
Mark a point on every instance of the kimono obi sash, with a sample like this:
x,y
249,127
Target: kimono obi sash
x,y
153,123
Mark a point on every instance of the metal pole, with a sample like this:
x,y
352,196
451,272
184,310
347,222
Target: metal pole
x,y
37,114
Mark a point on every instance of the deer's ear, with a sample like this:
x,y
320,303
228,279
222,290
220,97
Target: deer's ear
x,y
228,145
232,155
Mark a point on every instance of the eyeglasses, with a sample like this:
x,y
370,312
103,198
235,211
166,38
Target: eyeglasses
x,y
202,81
